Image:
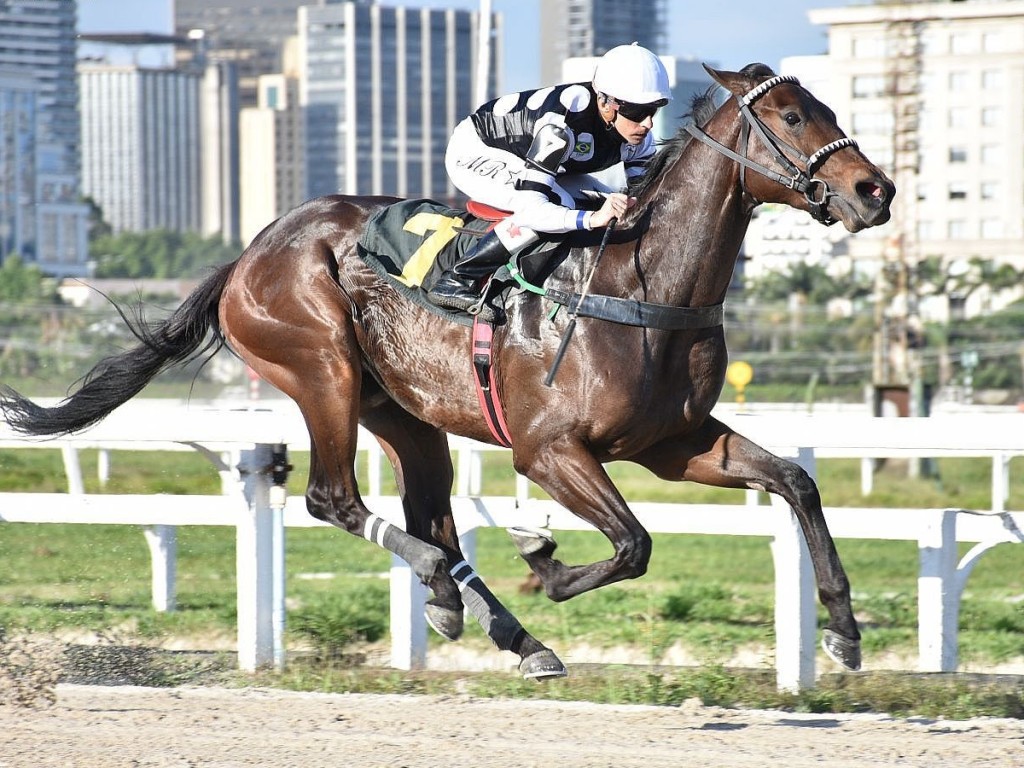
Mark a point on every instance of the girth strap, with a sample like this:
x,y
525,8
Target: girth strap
x,y
483,333
640,313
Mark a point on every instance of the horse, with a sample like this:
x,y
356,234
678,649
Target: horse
x,y
307,314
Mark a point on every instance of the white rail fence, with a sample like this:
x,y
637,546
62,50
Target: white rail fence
x,y
240,442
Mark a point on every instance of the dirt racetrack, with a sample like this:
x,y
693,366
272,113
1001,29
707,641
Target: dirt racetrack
x,y
125,726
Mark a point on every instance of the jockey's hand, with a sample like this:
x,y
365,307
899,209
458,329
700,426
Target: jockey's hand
x,y
614,206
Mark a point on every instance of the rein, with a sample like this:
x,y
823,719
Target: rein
x,y
816,191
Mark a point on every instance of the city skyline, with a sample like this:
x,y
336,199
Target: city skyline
x,y
707,33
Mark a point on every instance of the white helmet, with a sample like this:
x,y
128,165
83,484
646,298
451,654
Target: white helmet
x,y
632,73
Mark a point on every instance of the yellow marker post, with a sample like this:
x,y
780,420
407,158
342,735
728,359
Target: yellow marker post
x,y
739,374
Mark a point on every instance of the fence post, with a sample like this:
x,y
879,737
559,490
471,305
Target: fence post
x,y
72,469
795,609
1000,481
163,551
408,625
938,598
867,476
254,562
103,466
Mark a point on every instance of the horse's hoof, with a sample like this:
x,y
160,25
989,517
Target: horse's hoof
x,y
532,541
841,650
446,622
542,665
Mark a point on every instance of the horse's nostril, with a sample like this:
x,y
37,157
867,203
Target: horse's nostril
x,y
872,190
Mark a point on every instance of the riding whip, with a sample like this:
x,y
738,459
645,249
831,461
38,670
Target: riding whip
x,y
571,327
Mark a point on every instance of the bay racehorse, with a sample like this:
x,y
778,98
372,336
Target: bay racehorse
x,y
308,315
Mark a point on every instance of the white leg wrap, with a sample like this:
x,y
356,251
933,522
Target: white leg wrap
x,y
375,529
495,620
463,573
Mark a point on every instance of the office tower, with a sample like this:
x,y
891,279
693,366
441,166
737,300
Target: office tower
x,y
17,164
160,146
141,146
932,92
382,90
37,59
250,33
580,28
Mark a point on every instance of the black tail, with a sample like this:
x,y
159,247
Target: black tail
x,y
117,379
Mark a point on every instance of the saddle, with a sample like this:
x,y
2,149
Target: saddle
x,y
413,242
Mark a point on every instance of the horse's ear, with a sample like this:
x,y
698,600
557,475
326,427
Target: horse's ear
x,y
734,82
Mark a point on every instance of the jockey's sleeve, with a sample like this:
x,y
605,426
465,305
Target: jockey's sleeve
x,y
539,207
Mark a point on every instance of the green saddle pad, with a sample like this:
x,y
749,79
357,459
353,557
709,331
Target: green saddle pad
x,y
415,241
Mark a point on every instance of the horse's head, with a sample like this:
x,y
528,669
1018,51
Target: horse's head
x,y
793,152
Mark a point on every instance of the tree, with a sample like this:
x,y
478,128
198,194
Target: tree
x,y
811,281
158,254
23,282
97,225
934,276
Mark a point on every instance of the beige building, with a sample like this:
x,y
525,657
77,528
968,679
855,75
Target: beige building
x,y
273,153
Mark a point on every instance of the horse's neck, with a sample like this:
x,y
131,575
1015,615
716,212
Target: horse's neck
x,y
697,222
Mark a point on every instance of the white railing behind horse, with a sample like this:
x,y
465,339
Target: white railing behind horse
x,y
260,571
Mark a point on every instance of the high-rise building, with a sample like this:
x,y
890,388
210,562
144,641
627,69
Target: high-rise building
x,y
250,33
141,146
273,144
37,48
160,146
934,91
579,28
17,164
382,89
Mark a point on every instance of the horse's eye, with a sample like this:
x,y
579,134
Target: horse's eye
x,y
791,118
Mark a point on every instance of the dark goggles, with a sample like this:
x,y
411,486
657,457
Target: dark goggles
x,y
637,113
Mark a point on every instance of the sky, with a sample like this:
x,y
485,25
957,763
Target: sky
x,y
730,34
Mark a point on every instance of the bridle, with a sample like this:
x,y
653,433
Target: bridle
x,y
816,191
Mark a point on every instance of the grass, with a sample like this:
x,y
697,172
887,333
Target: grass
x,y
898,694
710,595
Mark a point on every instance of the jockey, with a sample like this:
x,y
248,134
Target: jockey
x,y
531,153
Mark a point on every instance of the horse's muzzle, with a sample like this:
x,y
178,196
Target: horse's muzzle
x,y
871,204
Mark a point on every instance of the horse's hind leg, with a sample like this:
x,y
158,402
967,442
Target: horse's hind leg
x,y
717,456
420,456
424,483
301,340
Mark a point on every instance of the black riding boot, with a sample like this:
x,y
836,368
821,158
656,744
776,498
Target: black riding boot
x,y
457,287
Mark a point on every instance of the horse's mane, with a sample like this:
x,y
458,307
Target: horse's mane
x,y
703,106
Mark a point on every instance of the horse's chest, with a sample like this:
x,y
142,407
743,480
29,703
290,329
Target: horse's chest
x,y
666,393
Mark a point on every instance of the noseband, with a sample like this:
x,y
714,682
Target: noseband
x,y
815,191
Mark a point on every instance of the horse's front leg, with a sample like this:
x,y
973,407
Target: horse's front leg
x,y
716,455
576,480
